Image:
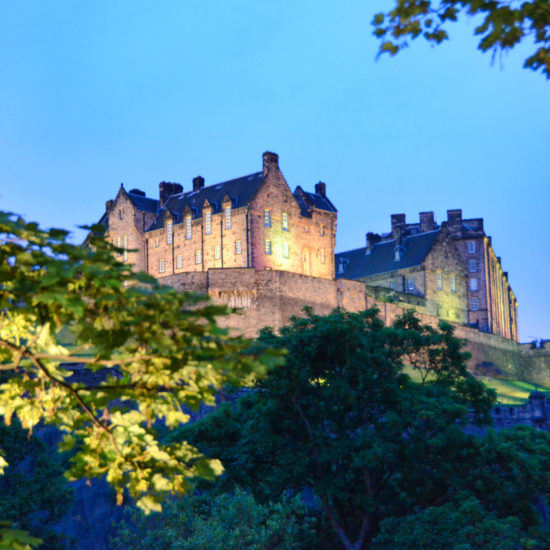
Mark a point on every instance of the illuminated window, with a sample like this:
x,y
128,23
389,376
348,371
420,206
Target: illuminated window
x,y
322,255
188,229
125,246
285,250
453,283
473,283
268,247
267,218
179,261
238,247
472,266
439,281
208,222
475,304
322,231
162,266
156,243
198,256
118,246
228,217
285,221
217,252
471,247
169,233
410,284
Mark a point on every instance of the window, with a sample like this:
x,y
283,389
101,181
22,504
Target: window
x,y
473,283
169,233
151,244
156,243
198,256
410,284
208,222
267,218
453,283
474,304
121,214
471,247
188,229
162,266
472,266
322,231
118,246
179,261
268,247
285,221
217,252
439,281
125,247
322,255
285,250
238,247
228,217
393,285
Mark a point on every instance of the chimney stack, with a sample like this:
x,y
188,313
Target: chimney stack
x,y
398,222
198,183
166,190
271,161
454,221
372,239
109,205
426,221
321,189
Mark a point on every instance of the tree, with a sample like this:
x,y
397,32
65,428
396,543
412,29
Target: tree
x,y
138,356
227,521
504,24
342,420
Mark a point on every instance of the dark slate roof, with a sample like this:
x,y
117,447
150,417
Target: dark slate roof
x,y
240,190
358,264
307,201
145,204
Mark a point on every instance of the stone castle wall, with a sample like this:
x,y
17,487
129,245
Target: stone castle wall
x,y
270,298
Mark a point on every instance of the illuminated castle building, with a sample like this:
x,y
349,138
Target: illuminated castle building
x,y
252,243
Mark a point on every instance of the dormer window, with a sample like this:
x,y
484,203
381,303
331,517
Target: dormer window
x,y
188,229
227,215
208,222
169,232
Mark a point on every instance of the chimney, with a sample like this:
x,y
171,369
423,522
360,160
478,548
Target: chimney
x,y
271,161
198,183
321,189
166,190
372,239
426,221
137,192
398,225
454,221
109,205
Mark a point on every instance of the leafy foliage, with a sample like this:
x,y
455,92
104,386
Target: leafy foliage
x,y
342,420
224,522
505,23
141,353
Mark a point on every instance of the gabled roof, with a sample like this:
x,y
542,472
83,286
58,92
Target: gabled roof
x,y
359,264
240,191
307,201
145,204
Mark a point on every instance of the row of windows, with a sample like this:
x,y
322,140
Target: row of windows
x,y
198,256
267,219
440,281
268,247
189,228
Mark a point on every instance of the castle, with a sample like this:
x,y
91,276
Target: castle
x,y
253,244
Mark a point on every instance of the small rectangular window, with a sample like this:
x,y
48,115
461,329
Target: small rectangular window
x,y
453,283
322,231
238,247
322,255
125,246
393,285
410,284
268,247
118,246
208,222
475,304
179,261
285,221
439,281
471,247
472,266
473,284
169,233
267,218
188,228
228,217
198,256
217,252
162,266
121,214
285,250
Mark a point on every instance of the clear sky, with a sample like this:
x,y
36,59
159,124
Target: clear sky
x,y
93,94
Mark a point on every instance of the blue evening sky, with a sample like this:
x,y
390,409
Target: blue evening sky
x,y
93,94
